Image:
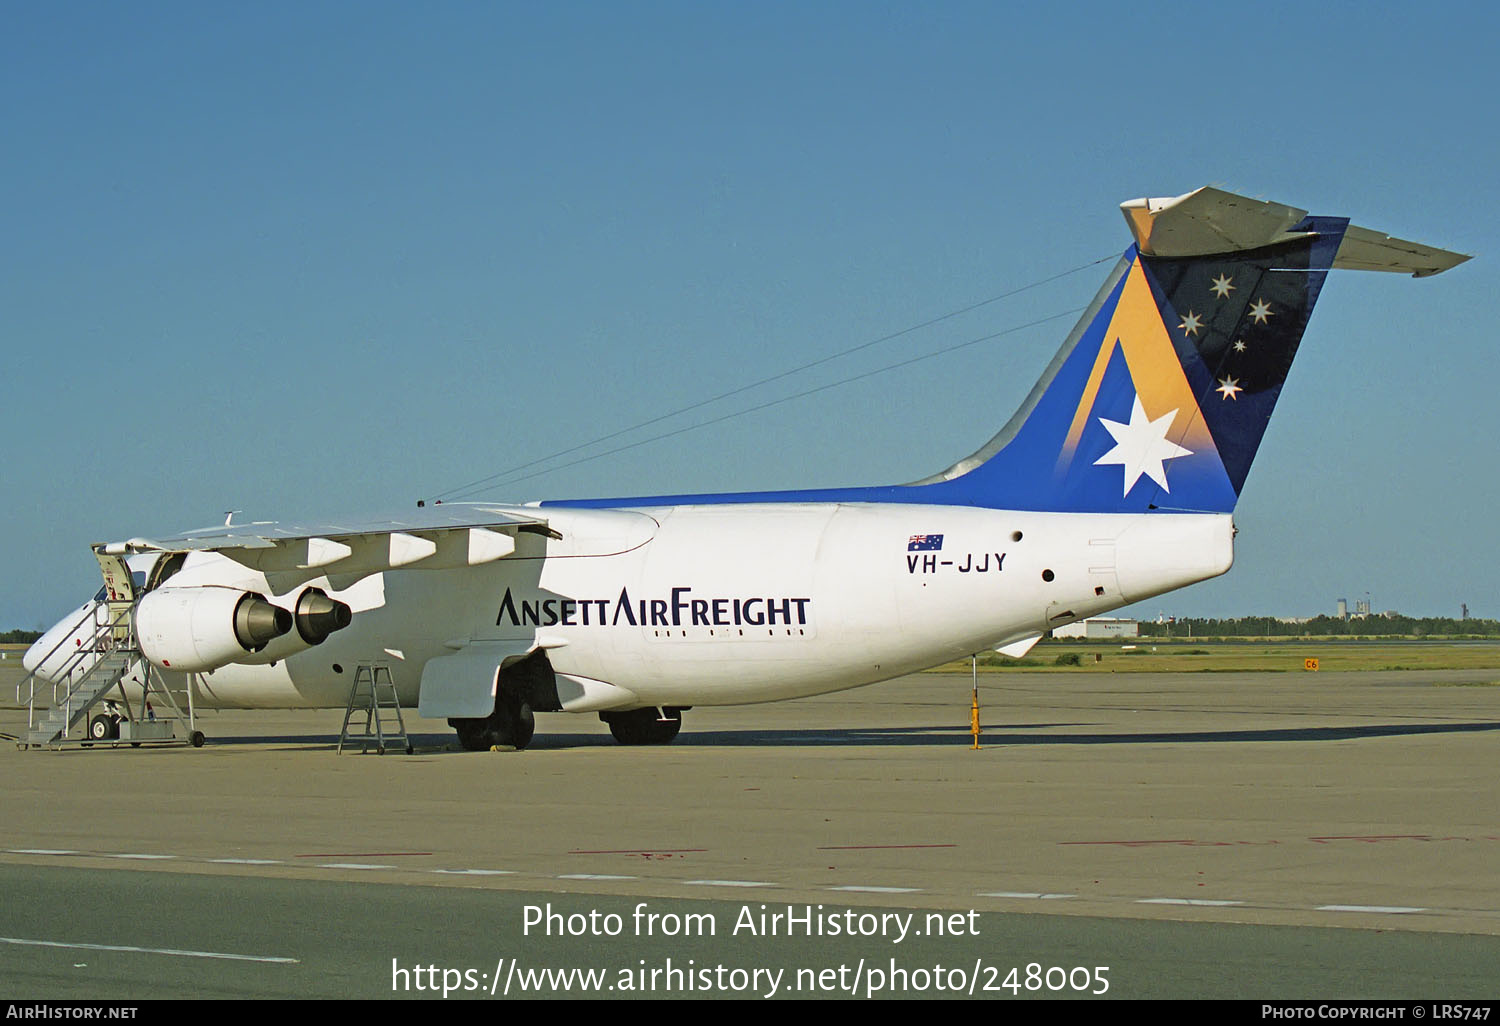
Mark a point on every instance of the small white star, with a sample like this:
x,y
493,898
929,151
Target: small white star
x,y
1239,345
1222,287
1141,447
1229,388
1259,311
1191,323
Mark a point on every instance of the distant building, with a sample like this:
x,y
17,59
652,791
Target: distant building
x,y
1343,609
1099,627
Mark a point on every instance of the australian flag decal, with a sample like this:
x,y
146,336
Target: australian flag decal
x,y
925,543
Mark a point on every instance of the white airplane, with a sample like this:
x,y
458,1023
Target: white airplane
x,y
1114,482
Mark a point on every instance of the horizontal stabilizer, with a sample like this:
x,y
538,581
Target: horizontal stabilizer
x,y
1366,250
1211,221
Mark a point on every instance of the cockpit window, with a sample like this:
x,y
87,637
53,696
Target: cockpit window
x,y
99,595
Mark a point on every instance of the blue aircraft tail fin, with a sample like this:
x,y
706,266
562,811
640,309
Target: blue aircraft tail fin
x,y
1161,395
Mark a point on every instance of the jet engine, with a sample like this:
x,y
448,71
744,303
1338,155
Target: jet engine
x,y
195,629
314,615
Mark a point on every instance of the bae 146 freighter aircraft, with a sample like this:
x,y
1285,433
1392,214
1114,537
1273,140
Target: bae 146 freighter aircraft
x,y
1115,481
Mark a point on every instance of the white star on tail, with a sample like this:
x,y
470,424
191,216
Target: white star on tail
x,y
1141,447
1229,388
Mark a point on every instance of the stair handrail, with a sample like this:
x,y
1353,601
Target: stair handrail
x,y
101,643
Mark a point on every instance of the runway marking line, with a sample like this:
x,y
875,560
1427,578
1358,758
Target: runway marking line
x,y
149,951
363,855
727,883
1024,894
131,855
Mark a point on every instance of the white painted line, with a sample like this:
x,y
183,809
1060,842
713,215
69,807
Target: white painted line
x,y
40,851
475,872
1025,894
133,855
1205,902
595,876
351,865
148,951
1391,909
879,890
727,883
247,862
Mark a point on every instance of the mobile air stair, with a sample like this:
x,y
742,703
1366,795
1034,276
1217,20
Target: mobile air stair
x,y
99,668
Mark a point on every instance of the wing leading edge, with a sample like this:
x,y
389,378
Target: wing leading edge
x,y
431,538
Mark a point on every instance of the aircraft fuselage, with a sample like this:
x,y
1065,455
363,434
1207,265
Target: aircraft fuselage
x,y
731,604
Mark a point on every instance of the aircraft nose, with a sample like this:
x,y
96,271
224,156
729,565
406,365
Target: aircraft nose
x,y
32,658
55,647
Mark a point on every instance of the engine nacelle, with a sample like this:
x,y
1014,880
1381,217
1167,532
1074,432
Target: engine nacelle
x,y
202,628
314,615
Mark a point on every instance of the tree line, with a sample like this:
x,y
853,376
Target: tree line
x,y
1381,626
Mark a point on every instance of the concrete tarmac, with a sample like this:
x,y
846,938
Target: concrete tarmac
x,y
1185,826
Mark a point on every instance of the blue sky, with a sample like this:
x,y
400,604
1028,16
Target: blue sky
x,y
304,259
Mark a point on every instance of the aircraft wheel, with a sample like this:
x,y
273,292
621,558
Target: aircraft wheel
x,y
470,734
511,725
644,726
196,739
103,728
525,725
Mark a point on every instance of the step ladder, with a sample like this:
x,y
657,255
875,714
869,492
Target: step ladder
x,y
373,692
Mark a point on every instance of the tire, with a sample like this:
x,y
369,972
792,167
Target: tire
x,y
470,734
644,726
103,728
511,725
525,726
196,739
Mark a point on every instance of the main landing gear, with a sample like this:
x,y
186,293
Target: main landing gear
x,y
644,726
511,725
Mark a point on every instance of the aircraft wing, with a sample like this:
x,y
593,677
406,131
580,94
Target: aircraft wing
x,y
438,537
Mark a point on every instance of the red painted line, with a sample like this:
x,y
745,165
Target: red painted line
x,y
873,847
363,854
637,851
